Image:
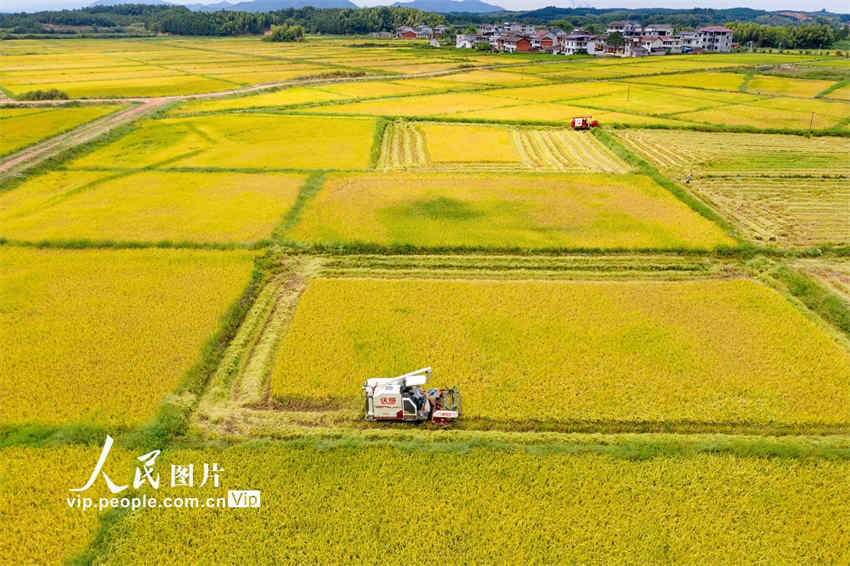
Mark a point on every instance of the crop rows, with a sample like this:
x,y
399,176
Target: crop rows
x,y
402,147
764,154
795,212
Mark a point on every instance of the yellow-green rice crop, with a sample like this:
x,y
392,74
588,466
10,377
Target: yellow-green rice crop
x,y
148,206
572,352
260,141
468,142
768,84
504,211
20,127
561,112
337,505
778,112
38,525
101,336
708,80
427,105
285,97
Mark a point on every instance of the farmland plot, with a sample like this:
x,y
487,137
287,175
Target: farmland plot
x,y
796,212
241,141
149,206
577,507
101,336
20,127
506,211
779,189
450,147
632,353
38,526
785,86
680,151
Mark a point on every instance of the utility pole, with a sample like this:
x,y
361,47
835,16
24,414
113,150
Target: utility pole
x,y
628,92
811,121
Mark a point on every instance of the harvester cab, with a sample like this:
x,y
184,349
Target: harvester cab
x,y
583,123
402,398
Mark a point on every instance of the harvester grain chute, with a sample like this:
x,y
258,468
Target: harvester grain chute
x,y
402,398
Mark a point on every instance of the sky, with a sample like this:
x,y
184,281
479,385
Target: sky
x,y
831,5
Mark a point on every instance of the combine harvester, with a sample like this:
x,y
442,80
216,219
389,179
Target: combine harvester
x,y
583,123
401,399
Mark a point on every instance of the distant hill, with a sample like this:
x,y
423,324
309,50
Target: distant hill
x,y
451,6
120,2
270,5
253,6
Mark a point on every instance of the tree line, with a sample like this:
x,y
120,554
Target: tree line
x,y
180,20
812,36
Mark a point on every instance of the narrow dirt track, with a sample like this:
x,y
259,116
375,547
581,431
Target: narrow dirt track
x,y
18,162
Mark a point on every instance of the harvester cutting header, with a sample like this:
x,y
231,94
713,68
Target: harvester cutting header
x,y
402,399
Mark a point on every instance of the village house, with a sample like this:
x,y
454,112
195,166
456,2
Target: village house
x,y
406,32
657,30
625,27
576,43
715,38
514,44
544,40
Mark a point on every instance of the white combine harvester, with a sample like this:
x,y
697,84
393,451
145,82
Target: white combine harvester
x,y
402,399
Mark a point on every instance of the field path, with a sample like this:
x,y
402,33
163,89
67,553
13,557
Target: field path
x,y
18,162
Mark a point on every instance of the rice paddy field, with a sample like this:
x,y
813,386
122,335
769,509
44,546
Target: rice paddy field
x,y
89,326
648,322
781,189
24,126
506,211
675,358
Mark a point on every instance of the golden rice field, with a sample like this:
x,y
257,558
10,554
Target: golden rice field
x,y
714,80
38,526
631,352
682,151
775,113
240,141
102,336
504,211
655,100
20,127
326,505
148,206
639,384
785,86
175,66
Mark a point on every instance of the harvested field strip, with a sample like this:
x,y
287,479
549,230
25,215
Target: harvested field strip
x,y
535,267
589,152
796,212
565,150
740,153
403,147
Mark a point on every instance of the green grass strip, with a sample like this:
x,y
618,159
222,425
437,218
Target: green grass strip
x,y
309,189
826,304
